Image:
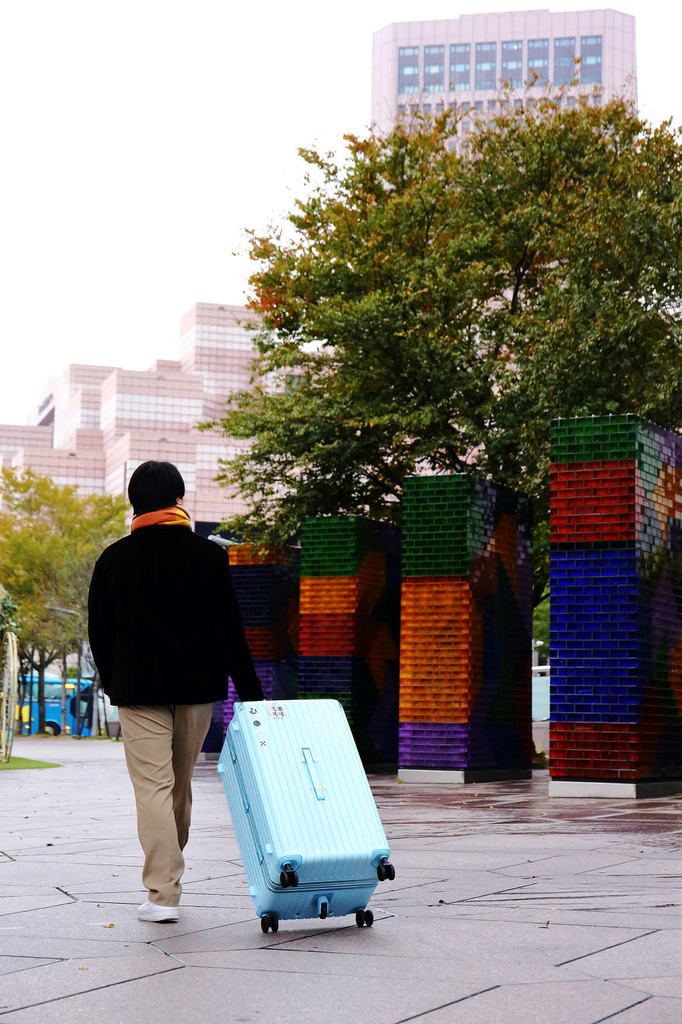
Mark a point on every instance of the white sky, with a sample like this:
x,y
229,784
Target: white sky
x,y
141,137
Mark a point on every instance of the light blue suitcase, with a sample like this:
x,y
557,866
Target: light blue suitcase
x,y
306,822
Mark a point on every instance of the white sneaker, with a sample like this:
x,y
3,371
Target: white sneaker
x,y
153,912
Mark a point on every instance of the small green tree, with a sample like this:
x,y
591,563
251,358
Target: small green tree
x,y
433,309
50,538
8,614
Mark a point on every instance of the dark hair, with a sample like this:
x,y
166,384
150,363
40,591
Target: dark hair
x,y
155,485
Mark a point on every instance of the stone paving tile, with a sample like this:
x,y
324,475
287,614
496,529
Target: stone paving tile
x,y
218,996
658,954
93,847
90,920
576,1002
454,860
652,1011
17,904
457,940
11,964
650,866
245,934
230,904
20,890
128,879
641,923
287,959
58,947
666,986
64,873
585,894
465,886
58,980
645,911
535,843
569,865
227,881
125,880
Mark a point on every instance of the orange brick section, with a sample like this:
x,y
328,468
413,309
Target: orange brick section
x,y
439,662
329,595
249,554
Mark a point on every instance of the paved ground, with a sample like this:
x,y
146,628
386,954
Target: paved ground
x,y
507,907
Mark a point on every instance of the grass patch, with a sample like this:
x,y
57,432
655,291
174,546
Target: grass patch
x,y
26,762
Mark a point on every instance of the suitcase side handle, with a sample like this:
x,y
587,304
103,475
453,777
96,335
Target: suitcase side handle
x,y
312,772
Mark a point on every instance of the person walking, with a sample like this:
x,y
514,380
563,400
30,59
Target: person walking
x,y
166,633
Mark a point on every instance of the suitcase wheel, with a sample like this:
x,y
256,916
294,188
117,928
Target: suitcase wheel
x,y
364,917
288,877
269,922
385,870
322,908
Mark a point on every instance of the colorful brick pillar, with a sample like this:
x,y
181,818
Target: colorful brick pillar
x,y
466,645
616,608
267,586
349,627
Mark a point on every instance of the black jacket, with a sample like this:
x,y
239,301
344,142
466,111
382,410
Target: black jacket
x,y
164,622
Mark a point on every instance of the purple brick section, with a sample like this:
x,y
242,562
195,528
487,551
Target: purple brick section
x,y
434,744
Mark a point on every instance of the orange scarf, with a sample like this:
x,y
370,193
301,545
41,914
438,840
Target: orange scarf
x,y
174,516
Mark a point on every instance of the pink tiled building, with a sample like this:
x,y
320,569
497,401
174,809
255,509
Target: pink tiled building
x,y
467,61
95,424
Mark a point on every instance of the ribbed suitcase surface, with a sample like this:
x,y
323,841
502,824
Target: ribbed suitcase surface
x,y
300,802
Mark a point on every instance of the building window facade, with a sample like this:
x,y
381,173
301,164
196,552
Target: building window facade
x,y
591,60
512,63
408,69
434,68
538,61
486,66
564,60
460,67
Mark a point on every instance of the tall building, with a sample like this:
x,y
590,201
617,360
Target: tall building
x,y
95,424
429,65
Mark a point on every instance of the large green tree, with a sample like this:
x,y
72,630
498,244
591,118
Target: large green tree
x,y
50,538
430,307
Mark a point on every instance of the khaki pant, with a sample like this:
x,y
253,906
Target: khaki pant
x,y
162,744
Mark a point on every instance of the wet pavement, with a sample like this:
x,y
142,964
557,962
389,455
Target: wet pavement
x,y
507,907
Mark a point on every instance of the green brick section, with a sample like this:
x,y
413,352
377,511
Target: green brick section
x,y
335,545
349,628
444,525
598,438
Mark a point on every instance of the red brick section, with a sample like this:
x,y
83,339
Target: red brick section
x,y
595,750
331,635
594,501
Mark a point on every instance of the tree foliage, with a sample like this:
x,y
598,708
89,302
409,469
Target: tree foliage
x,y
8,614
432,309
50,538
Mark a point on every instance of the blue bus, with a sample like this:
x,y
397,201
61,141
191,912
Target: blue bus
x,y
53,707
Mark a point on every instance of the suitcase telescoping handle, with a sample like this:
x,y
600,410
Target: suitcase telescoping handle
x,y
312,772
